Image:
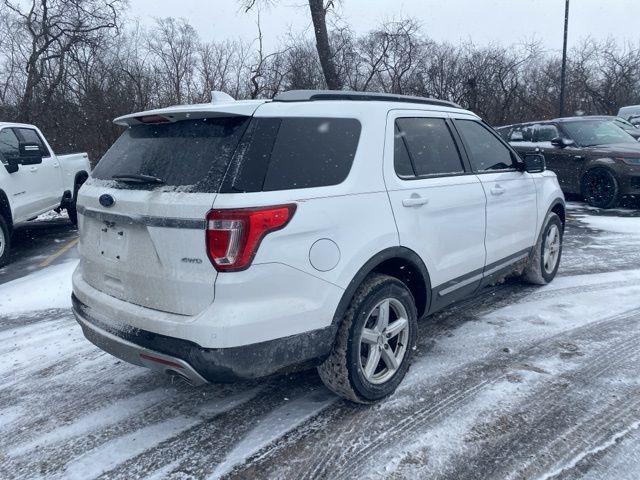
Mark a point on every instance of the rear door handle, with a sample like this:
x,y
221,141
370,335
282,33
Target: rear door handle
x,y
33,169
497,190
56,165
415,201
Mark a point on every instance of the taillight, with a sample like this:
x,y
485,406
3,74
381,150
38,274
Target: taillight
x,y
234,235
153,119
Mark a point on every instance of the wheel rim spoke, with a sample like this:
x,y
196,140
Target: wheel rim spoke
x,y
383,316
396,327
372,362
389,359
369,337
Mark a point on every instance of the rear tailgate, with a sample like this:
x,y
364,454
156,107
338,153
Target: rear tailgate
x,y
148,249
144,243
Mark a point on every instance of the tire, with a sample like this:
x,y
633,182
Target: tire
x,y
359,337
72,212
540,270
5,242
600,188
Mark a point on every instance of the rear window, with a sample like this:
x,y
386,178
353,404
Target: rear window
x,y
293,152
192,154
429,146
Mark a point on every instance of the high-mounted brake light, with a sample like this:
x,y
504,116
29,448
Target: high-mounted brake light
x,y
234,235
153,119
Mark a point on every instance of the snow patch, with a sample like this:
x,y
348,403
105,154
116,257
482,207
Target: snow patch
x,y
623,225
46,289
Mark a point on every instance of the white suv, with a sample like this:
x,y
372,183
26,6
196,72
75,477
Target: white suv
x,y
239,239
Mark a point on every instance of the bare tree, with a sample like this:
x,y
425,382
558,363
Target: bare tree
x,y
174,44
318,10
54,27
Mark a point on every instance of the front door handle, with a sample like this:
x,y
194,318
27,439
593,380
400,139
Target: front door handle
x,y
33,169
415,201
56,165
497,190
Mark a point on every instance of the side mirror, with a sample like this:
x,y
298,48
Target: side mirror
x,y
30,153
534,163
561,142
11,164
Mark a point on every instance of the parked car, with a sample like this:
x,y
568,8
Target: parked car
x,y
241,239
591,157
630,113
34,179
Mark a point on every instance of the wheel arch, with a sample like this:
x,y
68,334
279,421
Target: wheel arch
x,y
558,207
78,180
399,262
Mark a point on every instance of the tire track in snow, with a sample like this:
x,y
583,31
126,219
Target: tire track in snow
x,y
197,451
423,416
339,456
563,421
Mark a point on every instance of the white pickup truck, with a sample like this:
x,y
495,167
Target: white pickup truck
x,y
34,180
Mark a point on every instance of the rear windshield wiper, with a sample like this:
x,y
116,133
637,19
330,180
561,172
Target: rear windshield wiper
x,y
137,178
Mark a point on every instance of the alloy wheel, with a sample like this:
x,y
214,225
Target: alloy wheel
x,y
384,341
551,251
3,242
600,188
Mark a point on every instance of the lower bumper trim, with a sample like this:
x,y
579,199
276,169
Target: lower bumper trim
x,y
201,365
137,355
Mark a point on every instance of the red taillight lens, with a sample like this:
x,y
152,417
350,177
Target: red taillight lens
x,y
234,235
153,119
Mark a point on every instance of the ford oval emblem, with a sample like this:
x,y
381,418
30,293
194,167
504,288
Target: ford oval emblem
x,y
107,200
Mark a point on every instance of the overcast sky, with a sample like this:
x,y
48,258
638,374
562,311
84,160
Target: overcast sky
x,y
483,21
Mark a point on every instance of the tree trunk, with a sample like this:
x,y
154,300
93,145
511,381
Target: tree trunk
x,y
319,17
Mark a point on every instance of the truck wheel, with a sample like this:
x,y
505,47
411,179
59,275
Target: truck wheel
x,y
5,242
374,344
72,212
600,188
545,259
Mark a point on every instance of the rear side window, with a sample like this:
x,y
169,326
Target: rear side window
x,y
486,152
428,145
289,153
545,133
31,136
192,154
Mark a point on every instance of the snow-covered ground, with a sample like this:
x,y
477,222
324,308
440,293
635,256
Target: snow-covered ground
x,y
522,382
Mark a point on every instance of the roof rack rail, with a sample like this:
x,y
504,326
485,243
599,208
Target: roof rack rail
x,y
315,95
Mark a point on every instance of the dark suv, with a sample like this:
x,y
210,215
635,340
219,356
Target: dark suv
x,y
591,156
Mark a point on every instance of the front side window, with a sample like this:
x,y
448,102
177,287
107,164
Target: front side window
x,y
9,145
426,146
546,133
486,152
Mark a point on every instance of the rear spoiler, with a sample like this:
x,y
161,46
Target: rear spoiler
x,y
220,107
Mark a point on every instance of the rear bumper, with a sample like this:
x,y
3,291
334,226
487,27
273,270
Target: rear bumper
x,y
195,363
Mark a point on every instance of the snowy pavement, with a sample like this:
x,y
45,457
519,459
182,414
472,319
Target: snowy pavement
x,y
522,382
